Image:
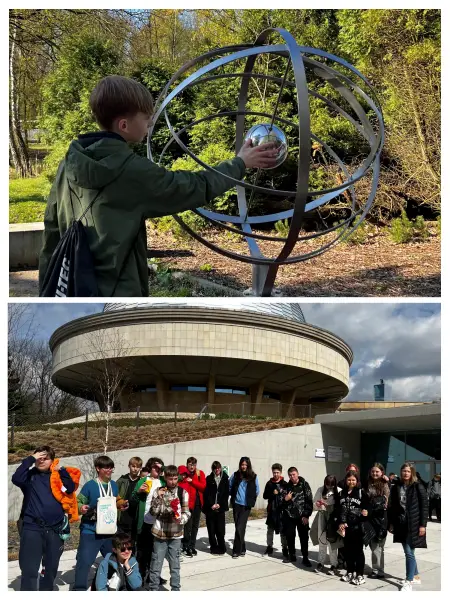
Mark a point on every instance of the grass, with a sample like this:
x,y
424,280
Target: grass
x,y
27,199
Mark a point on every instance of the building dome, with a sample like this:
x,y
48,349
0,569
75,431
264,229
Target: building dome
x,y
286,310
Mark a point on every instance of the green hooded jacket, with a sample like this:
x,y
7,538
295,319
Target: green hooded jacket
x,y
132,189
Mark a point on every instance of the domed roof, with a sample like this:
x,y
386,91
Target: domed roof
x,y
286,310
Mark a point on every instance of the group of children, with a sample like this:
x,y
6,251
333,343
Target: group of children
x,y
153,512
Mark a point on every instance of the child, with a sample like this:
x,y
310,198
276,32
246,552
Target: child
x,y
353,508
143,493
127,188
118,571
326,503
126,484
92,543
43,518
170,507
273,497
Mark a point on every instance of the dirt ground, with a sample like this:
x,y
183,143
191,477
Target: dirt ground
x,y
375,269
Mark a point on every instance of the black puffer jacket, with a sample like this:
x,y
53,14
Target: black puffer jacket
x,y
406,523
213,495
301,503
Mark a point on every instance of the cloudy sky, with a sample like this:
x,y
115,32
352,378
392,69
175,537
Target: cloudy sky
x,y
397,342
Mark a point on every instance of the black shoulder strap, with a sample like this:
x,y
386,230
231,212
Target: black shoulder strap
x,y
180,494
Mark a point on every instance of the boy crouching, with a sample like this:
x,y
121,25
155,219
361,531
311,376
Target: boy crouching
x,y
119,571
170,507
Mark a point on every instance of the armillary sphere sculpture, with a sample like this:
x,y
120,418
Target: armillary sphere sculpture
x,y
361,110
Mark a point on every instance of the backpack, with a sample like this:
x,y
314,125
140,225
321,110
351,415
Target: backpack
x,y
70,272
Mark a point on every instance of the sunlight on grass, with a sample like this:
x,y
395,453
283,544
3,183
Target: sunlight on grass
x,y
27,199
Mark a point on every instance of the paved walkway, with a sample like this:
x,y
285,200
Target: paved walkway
x,y
257,572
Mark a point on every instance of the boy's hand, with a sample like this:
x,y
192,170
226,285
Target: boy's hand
x,y
260,157
84,509
39,455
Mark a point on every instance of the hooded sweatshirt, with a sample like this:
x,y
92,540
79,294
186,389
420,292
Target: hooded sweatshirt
x,y
130,189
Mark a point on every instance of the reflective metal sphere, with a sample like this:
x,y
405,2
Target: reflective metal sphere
x,y
264,133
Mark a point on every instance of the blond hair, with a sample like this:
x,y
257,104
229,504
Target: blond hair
x,y
116,96
414,478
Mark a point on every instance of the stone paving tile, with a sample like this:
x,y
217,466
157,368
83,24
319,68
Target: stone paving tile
x,y
257,572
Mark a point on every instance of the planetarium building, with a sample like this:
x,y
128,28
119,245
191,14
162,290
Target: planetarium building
x,y
251,357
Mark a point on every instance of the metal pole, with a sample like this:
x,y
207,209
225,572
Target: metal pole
x,y
176,414
86,425
242,409
13,422
138,408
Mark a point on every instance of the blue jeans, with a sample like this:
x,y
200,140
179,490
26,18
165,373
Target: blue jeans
x,y
411,564
88,548
161,550
33,545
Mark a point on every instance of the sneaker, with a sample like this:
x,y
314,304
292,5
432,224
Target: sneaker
x,y
347,578
286,559
306,562
194,551
243,553
319,568
359,580
415,581
333,571
406,587
189,553
235,555
269,551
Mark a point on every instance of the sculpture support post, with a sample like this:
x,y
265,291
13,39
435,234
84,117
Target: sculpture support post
x,y
259,274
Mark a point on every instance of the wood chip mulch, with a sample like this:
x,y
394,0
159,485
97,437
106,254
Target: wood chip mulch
x,y
378,267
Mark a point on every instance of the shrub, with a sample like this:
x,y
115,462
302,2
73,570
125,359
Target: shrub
x,y
207,268
403,230
282,228
359,236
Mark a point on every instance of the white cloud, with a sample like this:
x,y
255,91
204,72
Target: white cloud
x,y
399,343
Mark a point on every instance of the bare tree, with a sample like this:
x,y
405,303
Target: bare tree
x,y
109,374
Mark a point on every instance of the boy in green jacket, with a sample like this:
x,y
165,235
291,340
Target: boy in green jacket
x,y
130,188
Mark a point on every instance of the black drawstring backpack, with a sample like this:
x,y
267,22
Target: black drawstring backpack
x,y
70,272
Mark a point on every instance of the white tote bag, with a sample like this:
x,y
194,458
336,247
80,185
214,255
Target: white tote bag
x,y
106,512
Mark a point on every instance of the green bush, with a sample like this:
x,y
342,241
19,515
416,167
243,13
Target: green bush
x,y
282,228
168,223
403,230
359,236
207,268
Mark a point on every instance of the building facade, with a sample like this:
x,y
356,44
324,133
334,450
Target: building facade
x,y
249,358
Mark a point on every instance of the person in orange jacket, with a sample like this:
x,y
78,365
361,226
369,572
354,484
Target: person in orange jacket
x,y
194,482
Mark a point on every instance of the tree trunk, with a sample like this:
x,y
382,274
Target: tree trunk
x,y
19,150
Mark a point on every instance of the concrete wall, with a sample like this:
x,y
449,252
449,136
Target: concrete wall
x,y
25,243
293,446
